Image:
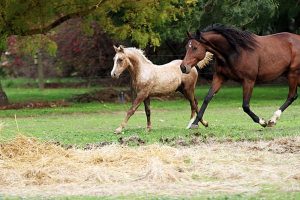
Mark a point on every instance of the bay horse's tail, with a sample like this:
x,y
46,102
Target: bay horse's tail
x,y
206,60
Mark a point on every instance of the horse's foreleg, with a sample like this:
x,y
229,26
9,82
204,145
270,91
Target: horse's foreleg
x,y
292,96
139,99
188,91
216,85
194,110
247,93
148,112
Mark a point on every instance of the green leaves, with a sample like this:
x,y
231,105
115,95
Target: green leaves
x,y
3,43
144,22
32,44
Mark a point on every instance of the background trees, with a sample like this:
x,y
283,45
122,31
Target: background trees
x,y
83,46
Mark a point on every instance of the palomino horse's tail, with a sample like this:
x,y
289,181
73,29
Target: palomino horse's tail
x,y
208,57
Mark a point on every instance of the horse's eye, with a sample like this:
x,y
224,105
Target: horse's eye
x,y
120,60
194,48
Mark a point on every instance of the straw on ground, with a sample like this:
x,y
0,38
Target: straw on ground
x,y
29,167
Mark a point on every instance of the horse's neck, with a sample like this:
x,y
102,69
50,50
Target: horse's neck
x,y
219,46
136,68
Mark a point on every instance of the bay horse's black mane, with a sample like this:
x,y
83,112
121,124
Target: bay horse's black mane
x,y
235,37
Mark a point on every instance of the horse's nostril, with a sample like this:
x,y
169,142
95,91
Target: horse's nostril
x,y
115,74
183,68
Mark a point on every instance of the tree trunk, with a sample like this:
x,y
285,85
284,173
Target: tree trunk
x,y
3,96
40,71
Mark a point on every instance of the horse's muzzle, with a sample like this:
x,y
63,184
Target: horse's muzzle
x,y
183,68
114,75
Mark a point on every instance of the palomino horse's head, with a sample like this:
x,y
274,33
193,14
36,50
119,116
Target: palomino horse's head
x,y
195,52
121,62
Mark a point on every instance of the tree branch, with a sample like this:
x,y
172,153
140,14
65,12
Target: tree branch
x,y
57,22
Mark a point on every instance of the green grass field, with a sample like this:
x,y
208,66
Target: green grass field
x,y
82,123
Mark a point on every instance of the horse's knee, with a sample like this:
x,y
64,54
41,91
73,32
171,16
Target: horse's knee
x,y
148,113
246,108
292,99
207,99
195,100
295,97
130,112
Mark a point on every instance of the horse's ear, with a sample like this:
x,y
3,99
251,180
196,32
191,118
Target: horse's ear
x,y
121,48
116,48
189,35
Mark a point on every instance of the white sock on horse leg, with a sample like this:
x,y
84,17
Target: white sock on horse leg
x,y
190,122
262,122
276,116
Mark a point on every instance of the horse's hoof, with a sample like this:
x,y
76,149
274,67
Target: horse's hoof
x,y
118,130
149,128
194,126
204,123
262,122
271,123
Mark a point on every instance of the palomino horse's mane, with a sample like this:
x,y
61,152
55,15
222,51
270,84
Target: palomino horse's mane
x,y
135,51
235,37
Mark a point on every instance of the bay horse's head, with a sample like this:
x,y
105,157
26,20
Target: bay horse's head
x,y
121,62
195,52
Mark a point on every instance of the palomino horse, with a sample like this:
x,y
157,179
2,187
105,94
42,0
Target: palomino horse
x,y
150,80
246,58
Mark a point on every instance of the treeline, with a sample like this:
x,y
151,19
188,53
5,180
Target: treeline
x,y
83,46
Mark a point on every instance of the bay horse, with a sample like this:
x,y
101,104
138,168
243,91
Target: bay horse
x,y
151,80
246,58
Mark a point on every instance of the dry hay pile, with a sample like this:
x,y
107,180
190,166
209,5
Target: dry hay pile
x,y
30,168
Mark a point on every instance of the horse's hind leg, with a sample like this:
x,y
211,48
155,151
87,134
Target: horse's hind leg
x,y
148,112
188,92
294,81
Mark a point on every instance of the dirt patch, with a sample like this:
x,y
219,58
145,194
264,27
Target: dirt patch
x,y
195,138
104,95
131,141
113,95
51,104
280,146
32,168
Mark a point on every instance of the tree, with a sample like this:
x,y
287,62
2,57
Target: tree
x,y
122,18
85,54
253,15
288,17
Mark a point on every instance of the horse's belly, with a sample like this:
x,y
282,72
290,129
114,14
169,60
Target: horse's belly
x,y
165,86
272,70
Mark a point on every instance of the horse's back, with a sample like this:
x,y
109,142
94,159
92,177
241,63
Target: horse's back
x,y
276,54
293,41
167,78
173,63
281,38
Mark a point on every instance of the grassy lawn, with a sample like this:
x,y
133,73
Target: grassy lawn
x,y
95,122
83,123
